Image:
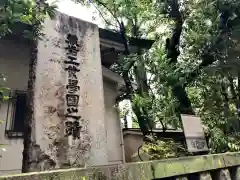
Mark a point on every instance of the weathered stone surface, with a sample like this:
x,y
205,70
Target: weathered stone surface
x,y
169,167
237,177
231,159
50,105
224,174
220,174
141,170
234,172
205,176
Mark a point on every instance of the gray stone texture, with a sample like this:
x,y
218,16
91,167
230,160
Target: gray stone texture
x,y
54,150
144,170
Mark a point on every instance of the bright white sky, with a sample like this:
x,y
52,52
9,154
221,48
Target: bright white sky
x,y
72,9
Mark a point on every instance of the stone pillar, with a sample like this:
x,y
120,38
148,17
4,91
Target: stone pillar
x,y
68,102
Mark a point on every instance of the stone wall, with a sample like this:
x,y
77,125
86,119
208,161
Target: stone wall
x,y
113,127
216,167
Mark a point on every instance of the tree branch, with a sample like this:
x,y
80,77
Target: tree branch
x,y
172,51
105,6
232,89
101,14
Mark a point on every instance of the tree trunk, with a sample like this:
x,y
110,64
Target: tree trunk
x,y
235,98
172,53
142,116
223,91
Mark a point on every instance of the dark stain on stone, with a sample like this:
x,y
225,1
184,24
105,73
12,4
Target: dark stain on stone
x,y
51,110
60,113
59,92
55,61
57,42
56,142
55,54
39,160
36,146
72,23
62,150
69,24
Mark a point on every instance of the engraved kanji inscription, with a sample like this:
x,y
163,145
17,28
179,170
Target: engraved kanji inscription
x,y
72,110
72,125
72,70
75,117
72,63
73,86
72,40
72,100
72,129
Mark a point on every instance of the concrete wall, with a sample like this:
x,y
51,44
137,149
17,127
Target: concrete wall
x,y
14,60
114,137
131,144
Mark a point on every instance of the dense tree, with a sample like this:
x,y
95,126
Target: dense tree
x,y
192,67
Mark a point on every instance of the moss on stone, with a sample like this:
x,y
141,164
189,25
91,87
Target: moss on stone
x,y
188,165
140,170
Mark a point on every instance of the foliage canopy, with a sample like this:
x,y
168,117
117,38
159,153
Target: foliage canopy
x,y
192,68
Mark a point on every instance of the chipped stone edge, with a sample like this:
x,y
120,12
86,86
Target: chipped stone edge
x,y
141,170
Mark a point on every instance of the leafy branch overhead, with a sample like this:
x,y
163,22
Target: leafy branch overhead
x,y
29,12
193,66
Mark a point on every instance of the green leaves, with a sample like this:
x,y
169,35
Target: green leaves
x,y
163,149
25,11
4,91
208,57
